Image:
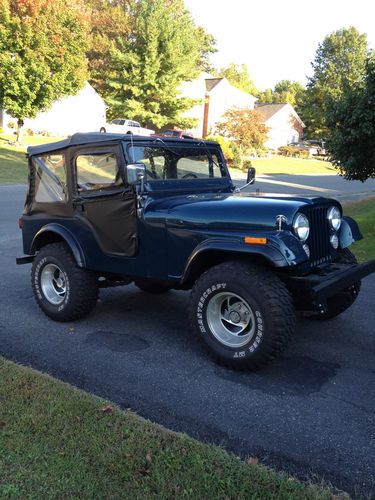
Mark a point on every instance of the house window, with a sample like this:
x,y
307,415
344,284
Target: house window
x,y
50,178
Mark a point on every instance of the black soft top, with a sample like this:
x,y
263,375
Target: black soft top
x,y
91,137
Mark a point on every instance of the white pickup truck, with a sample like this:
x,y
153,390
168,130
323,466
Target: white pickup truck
x,y
123,126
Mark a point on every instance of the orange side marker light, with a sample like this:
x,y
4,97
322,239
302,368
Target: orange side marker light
x,y
249,240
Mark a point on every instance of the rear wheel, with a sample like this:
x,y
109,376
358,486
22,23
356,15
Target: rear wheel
x,y
63,291
243,313
340,302
102,130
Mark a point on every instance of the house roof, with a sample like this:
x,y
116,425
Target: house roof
x,y
269,110
212,82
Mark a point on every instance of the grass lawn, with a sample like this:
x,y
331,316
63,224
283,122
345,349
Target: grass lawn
x,y
292,166
59,442
364,213
13,164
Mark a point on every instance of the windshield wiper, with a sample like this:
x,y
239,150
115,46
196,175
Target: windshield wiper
x,y
210,157
159,139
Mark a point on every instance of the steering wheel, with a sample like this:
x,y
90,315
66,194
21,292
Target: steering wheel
x,y
190,174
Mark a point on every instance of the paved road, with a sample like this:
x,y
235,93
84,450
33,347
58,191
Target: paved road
x,y
332,186
311,412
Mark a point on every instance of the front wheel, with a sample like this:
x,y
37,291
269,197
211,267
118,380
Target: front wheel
x,y
62,290
244,314
102,130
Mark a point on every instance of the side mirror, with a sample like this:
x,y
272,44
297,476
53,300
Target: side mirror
x,y
136,173
250,175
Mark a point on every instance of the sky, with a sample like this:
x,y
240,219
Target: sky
x,y
277,39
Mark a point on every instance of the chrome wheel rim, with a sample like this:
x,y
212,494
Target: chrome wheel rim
x,y
53,284
231,319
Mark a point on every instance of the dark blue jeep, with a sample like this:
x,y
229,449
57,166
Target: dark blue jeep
x,y
106,209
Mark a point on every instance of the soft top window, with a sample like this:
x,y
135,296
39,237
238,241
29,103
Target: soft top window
x,y
50,178
97,171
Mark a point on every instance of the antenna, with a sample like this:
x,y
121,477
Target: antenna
x,y
132,145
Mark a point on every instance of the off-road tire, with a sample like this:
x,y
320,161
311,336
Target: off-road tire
x,y
269,300
81,285
340,302
151,286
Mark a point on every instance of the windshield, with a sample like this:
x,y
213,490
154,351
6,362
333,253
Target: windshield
x,y
163,163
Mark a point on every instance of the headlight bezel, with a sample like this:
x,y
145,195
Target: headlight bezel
x,y
334,214
301,226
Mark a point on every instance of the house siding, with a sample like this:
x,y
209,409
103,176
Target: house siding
x,y
83,112
213,103
284,128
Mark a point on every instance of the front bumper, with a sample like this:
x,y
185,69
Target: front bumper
x,y
325,283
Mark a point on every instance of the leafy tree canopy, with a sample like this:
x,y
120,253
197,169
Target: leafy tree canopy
x,y
339,65
42,54
238,76
246,126
285,91
351,124
141,66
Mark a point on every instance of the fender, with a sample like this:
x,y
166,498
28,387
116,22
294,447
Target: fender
x,y
66,235
349,232
271,254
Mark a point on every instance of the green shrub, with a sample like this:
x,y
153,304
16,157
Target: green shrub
x,y
226,146
293,152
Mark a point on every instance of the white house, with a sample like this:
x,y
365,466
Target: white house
x,y
83,112
285,126
216,96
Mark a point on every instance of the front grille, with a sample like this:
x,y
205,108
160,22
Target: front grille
x,y
318,240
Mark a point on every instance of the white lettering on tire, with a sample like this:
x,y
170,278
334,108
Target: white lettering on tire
x,y
202,300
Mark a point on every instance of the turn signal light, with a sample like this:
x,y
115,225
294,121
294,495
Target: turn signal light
x,y
249,240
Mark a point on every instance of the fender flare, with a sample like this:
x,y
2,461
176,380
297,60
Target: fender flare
x,y
67,236
272,255
349,232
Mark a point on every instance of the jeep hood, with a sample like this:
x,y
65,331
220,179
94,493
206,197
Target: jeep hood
x,y
231,211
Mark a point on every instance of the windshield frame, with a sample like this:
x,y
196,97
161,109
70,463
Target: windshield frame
x,y
207,149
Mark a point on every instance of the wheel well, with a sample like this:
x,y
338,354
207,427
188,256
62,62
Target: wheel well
x,y
212,258
49,237
46,238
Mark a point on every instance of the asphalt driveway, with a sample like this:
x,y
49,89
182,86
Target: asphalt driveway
x,y
310,413
331,186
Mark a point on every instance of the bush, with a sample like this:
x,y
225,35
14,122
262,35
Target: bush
x,y
293,152
226,145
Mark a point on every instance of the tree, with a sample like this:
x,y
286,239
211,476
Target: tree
x,y
238,76
351,124
160,47
339,64
266,96
285,91
42,54
109,22
245,126
290,92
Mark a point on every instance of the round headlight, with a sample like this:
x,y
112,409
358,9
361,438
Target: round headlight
x,y
334,218
301,227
